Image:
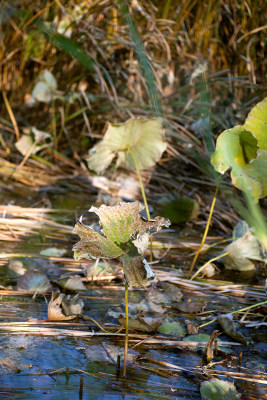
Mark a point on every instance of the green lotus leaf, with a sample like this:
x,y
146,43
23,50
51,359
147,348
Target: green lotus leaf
x,y
256,123
93,245
120,222
237,149
143,137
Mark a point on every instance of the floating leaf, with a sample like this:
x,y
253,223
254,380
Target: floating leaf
x,y
64,308
144,137
141,323
192,307
216,389
33,281
71,283
227,323
126,235
171,327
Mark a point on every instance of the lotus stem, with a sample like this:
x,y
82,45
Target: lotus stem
x,y
126,330
207,226
143,195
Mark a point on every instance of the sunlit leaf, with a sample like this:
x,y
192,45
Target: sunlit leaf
x,y
237,149
33,281
216,389
126,235
227,323
45,87
256,123
243,253
244,150
144,137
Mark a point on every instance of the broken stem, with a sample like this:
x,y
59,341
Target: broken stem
x,y
207,226
126,330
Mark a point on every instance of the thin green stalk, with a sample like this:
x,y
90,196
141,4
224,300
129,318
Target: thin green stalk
x,y
203,266
235,312
126,330
207,226
140,182
143,195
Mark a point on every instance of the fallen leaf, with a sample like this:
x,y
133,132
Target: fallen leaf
x,y
34,281
72,305
141,323
144,138
55,309
71,283
172,290
171,327
227,323
216,389
191,307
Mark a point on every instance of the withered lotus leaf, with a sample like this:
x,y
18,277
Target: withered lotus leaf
x,y
124,234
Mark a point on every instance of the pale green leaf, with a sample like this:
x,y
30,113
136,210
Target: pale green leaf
x,y
143,137
256,123
237,149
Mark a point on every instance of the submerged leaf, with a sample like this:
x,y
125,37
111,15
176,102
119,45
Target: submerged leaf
x,y
144,137
53,252
216,389
178,209
227,323
34,281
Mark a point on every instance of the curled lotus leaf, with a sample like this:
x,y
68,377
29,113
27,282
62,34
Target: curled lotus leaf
x,y
124,234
